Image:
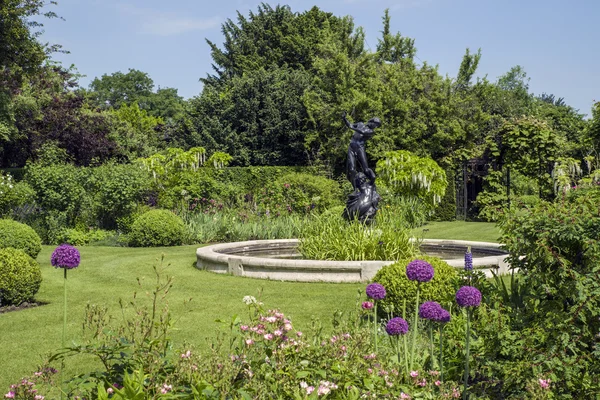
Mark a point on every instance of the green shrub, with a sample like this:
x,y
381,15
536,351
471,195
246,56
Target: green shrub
x,y
76,237
399,287
20,277
13,194
157,228
117,190
19,236
555,247
58,187
298,192
185,187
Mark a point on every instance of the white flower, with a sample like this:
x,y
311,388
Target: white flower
x,y
248,300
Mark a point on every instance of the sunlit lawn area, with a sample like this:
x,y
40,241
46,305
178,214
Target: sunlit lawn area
x,y
108,274
460,230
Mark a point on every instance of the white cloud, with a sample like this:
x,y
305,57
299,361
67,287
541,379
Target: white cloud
x,y
164,23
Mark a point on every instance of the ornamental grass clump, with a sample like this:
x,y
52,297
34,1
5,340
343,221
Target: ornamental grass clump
x,y
468,297
376,292
421,272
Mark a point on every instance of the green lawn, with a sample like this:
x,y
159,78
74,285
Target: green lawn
x,y
107,274
460,230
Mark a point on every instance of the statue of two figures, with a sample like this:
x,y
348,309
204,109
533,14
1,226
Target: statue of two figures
x,y
362,203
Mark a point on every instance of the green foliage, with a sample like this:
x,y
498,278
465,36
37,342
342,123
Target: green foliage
x,y
330,237
400,289
393,48
528,146
299,192
118,89
76,237
137,134
13,194
258,118
555,247
57,187
407,175
157,228
188,188
117,189
20,277
253,108
219,159
19,236
21,54
446,210
208,227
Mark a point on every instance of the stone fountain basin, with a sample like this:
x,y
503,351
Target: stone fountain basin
x,y
275,260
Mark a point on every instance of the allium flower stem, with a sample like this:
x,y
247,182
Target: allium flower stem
x,y
415,326
375,325
398,349
466,380
405,341
431,357
441,352
64,333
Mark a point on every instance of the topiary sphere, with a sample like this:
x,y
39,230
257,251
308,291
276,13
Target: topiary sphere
x,y
399,287
19,236
157,228
20,277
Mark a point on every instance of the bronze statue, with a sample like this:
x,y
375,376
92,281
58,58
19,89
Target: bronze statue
x,y
356,149
362,203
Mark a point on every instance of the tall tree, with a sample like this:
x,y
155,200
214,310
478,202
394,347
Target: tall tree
x,y
277,36
467,69
116,89
253,106
48,109
21,53
393,48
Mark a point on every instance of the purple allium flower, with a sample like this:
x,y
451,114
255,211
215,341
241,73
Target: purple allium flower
x,y
468,296
376,291
443,316
468,261
430,310
65,256
419,270
396,326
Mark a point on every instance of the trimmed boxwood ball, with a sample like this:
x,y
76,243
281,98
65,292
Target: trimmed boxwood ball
x,y
19,236
20,277
400,288
157,228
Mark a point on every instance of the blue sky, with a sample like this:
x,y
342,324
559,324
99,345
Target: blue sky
x,y
557,42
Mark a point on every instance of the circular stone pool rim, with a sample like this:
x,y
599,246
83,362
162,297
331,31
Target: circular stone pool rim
x,y
221,258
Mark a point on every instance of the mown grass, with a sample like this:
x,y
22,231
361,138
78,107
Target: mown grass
x,y
108,274
459,230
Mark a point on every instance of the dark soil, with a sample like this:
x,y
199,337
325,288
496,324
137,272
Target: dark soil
x,y
22,306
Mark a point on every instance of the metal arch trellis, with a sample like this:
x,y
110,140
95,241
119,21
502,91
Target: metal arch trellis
x,y
468,184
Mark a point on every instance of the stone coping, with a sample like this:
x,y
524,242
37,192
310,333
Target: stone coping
x,y
222,258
